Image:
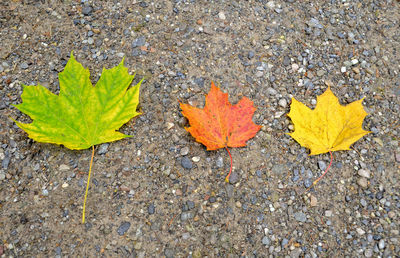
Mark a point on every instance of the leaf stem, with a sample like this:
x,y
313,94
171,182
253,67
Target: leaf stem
x,y
319,178
230,171
326,170
87,186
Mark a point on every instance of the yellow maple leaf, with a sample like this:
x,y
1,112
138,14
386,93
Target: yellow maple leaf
x,y
330,126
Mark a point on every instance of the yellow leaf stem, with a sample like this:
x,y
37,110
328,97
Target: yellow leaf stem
x,y
87,186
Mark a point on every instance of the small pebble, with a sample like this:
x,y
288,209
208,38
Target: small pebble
x,y
186,216
123,228
296,252
259,74
284,242
313,201
103,148
87,10
88,225
6,161
322,165
233,178
356,70
169,125
221,15
120,54
271,91
343,69
250,55
219,162
186,163
151,209
58,250
397,156
24,65
381,244
270,4
135,185
300,216
363,182
190,204
45,192
368,253
360,231
282,103
185,236
341,35
196,159
364,173
307,183
64,167
169,253
138,245
320,73
184,151
140,41
266,241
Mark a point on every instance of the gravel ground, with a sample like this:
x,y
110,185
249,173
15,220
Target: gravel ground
x,y
162,194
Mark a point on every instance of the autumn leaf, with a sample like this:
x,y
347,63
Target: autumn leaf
x,y
220,124
81,116
330,126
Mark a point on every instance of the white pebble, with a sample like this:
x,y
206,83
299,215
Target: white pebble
x,y
360,231
282,103
184,151
259,74
221,15
343,69
63,167
295,67
196,159
364,173
45,192
279,114
64,185
381,244
271,5
354,61
362,182
120,54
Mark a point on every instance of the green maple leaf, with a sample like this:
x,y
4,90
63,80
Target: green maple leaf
x,y
81,115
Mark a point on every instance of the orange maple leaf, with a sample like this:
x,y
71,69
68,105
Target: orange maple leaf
x,y
220,124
